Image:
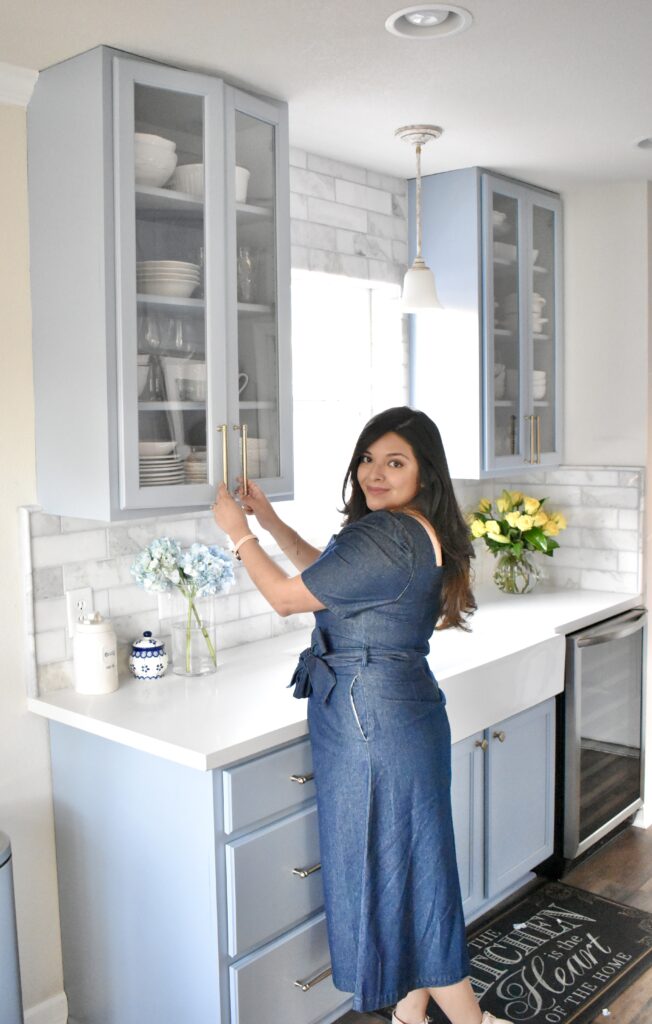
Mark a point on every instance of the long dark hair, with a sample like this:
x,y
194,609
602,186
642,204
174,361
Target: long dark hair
x,y
435,500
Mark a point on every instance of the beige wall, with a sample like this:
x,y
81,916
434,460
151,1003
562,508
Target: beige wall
x,y
606,294
25,793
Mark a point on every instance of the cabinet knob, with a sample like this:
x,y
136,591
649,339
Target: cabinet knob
x,y
304,872
499,736
481,743
301,779
305,986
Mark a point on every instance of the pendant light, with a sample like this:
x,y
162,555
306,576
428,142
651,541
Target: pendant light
x,y
419,291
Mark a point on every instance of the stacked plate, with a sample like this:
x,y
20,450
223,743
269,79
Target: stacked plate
x,y
167,277
195,468
161,470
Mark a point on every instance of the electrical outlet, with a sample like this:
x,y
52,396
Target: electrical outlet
x,y
73,601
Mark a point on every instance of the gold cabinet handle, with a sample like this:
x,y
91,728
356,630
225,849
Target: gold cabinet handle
x,y
499,736
243,428
304,872
302,779
538,418
225,452
481,743
305,986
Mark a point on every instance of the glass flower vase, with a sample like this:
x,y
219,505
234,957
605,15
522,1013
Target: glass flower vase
x,y
193,648
516,574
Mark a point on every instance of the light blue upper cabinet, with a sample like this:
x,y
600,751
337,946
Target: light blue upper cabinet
x,y
487,368
148,367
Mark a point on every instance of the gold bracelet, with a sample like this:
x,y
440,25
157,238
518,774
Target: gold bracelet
x,y
296,542
236,547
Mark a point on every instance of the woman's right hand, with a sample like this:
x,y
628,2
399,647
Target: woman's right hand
x,y
256,503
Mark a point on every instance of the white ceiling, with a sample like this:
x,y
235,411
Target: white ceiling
x,y
556,92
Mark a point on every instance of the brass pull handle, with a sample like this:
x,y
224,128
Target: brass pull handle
x,y
538,439
302,779
530,419
499,736
243,428
305,986
481,743
304,872
225,453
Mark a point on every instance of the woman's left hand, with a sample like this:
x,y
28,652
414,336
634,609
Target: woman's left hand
x,y
228,515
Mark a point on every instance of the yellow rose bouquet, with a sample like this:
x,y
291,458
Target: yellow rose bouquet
x,y
518,526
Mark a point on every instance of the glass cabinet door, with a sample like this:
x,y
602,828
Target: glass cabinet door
x,y
504,313
171,334
258,271
543,328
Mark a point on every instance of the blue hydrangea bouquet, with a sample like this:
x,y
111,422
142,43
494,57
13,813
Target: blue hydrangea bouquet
x,y
199,571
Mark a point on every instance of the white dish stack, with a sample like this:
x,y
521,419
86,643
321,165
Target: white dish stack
x,y
538,384
173,278
196,468
256,455
159,464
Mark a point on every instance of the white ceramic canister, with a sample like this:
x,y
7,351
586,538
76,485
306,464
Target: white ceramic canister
x,y
95,656
148,659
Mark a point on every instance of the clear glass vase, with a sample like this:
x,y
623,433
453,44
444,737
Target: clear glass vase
x,y
193,648
516,574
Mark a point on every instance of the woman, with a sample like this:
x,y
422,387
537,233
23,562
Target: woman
x,y
379,731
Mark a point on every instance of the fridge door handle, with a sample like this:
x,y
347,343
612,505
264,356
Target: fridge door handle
x,y
629,627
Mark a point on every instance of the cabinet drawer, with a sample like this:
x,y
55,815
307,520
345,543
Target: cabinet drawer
x,y
264,897
268,787
263,984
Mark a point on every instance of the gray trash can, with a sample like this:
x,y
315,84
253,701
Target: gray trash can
x,y
11,1003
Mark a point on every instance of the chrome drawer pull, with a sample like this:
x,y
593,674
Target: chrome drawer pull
x,y
499,736
305,986
304,872
308,777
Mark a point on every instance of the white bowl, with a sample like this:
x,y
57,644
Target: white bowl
x,y
535,253
168,277
189,178
156,447
241,184
167,264
538,393
171,289
143,138
154,165
505,251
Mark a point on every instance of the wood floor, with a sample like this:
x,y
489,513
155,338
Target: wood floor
x,y
621,870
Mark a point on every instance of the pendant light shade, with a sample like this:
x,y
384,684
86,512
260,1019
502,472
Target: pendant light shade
x,y
419,289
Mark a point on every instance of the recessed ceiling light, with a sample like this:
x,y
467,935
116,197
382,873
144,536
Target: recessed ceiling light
x,y
645,143
427,21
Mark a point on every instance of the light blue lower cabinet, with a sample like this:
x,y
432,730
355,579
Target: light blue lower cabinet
x,y
503,805
288,981
273,880
467,794
268,786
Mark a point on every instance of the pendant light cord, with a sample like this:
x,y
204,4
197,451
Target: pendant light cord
x,y
418,200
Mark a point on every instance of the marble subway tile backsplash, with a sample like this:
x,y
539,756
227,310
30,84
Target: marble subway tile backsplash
x,y
600,550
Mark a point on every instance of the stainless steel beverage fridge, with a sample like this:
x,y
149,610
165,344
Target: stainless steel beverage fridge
x,y
603,729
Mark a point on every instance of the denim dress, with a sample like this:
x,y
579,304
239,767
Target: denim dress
x,y
381,747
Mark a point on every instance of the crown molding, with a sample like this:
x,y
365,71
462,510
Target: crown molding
x,y
16,84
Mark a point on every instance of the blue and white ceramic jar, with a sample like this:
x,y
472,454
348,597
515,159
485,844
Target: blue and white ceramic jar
x,y
148,659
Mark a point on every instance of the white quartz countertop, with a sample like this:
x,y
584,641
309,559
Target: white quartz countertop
x,y
246,707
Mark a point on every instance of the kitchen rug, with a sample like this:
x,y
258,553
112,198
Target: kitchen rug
x,y
559,955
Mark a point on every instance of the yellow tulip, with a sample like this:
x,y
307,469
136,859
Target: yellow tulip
x,y
551,529
478,528
516,496
540,518
484,505
500,537
524,523
513,518
531,505
560,520
491,526
503,504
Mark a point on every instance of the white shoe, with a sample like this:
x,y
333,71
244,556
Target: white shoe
x,y
488,1018
426,1020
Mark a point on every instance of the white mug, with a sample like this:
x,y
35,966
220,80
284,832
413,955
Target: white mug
x,y
243,380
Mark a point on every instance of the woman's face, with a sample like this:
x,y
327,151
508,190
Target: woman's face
x,y
388,473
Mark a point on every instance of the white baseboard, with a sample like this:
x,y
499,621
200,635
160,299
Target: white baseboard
x,y
51,1011
643,817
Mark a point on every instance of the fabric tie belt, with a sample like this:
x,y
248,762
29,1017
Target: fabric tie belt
x,y
314,675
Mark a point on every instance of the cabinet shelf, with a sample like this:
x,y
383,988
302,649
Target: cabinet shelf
x,y
253,308
247,212
171,303
159,201
257,405
504,403
170,406
502,332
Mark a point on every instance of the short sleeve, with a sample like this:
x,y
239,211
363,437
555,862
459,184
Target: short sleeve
x,y
367,564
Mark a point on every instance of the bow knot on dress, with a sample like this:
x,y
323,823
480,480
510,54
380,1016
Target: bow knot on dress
x,y
313,675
